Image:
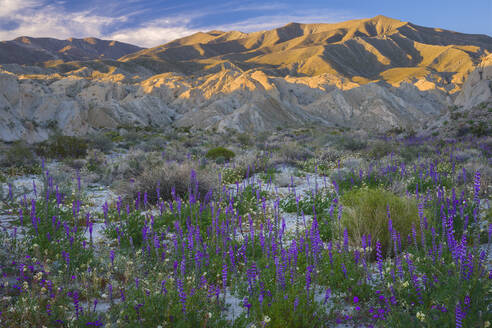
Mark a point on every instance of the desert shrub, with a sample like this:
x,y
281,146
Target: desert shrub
x,y
380,149
412,152
62,147
292,152
156,143
231,175
95,161
102,142
171,179
365,213
76,164
217,152
245,139
351,143
480,129
220,160
19,154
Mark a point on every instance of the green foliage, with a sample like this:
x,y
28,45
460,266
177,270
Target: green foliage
x,y
102,142
423,182
245,139
20,155
63,147
352,143
269,174
381,149
249,200
231,175
308,204
365,212
217,152
42,233
480,129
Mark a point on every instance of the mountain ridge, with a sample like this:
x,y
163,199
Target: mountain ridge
x,y
370,74
26,50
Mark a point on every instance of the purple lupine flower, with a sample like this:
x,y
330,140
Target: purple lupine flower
x,y
459,316
356,300
327,295
296,303
379,258
247,304
78,180
224,276
345,240
182,294
476,183
344,270
309,270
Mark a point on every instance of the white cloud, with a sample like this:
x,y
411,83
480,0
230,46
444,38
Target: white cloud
x,y
32,18
39,18
8,7
151,36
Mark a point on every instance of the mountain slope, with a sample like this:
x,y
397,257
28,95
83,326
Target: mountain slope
x,y
364,50
371,74
28,51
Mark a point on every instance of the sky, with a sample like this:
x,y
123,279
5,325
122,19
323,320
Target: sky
x,y
149,23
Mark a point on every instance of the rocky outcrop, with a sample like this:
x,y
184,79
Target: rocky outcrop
x,y
31,109
478,86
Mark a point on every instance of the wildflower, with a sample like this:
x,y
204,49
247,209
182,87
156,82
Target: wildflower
x,y
266,319
421,316
379,257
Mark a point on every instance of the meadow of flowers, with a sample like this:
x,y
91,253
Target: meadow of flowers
x,y
374,237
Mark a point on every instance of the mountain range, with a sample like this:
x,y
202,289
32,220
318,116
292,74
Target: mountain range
x,y
28,51
370,74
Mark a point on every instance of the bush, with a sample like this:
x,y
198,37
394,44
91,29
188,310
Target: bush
x,y
365,212
245,139
412,152
380,149
351,143
217,152
172,177
102,142
62,147
19,154
292,152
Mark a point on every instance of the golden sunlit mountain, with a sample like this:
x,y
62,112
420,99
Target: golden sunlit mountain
x,y
372,74
362,50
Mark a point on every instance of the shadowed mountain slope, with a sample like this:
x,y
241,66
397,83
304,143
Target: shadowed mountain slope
x,y
27,51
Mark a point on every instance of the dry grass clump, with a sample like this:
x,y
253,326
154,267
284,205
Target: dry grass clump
x,y
365,213
291,152
172,179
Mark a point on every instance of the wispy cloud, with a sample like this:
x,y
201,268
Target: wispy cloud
x,y
133,22
151,36
265,22
37,19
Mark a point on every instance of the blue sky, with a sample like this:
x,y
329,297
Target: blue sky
x,y
151,22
